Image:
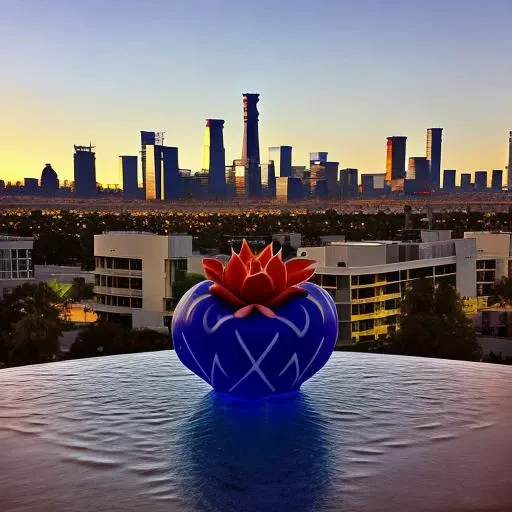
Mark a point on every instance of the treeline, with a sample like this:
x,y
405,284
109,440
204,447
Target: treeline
x,y
66,237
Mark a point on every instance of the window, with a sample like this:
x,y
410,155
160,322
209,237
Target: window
x,y
136,302
135,283
328,280
366,279
135,264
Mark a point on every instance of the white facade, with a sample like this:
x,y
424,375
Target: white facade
x,y
135,273
16,267
368,279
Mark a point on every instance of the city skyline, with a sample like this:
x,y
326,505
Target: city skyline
x,y
344,92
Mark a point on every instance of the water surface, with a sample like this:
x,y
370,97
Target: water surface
x,y
368,433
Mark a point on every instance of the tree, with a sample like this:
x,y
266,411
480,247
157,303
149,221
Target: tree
x,y
433,324
502,292
184,282
35,340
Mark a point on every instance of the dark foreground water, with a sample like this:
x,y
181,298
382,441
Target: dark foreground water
x,y
368,433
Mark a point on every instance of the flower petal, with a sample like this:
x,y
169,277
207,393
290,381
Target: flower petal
x,y
213,269
282,297
224,293
245,253
265,255
265,311
257,289
299,270
255,267
277,271
234,274
246,310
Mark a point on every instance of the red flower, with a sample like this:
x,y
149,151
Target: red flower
x,y
261,281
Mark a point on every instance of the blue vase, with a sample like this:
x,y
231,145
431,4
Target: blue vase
x,y
255,356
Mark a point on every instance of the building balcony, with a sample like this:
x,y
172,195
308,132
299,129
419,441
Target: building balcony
x,y
378,298
377,283
376,314
120,272
105,308
123,292
378,330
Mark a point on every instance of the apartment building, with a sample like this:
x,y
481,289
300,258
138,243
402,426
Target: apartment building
x,y
368,279
16,267
134,276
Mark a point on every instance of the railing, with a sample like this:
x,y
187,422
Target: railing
x,y
376,314
118,272
377,298
124,292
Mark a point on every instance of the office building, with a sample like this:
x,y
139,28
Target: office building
x,y
146,139
367,187
171,178
16,267
214,157
367,280
49,181
349,183
449,176
268,179
153,172
480,180
418,175
318,156
434,143
135,275
85,171
289,189
251,144
282,158
509,170
395,162
31,186
465,181
497,180
323,180
128,176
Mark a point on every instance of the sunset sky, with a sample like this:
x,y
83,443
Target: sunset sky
x,y
334,75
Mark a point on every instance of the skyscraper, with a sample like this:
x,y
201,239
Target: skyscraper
x,y
251,144
395,158
318,156
171,179
348,183
128,176
49,181
153,172
497,180
214,157
449,179
509,172
434,141
282,158
481,180
418,170
146,139
85,171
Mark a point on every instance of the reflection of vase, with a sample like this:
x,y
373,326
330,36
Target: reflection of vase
x,y
270,456
255,356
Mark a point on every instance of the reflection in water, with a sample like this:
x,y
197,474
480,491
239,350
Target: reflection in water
x,y
265,456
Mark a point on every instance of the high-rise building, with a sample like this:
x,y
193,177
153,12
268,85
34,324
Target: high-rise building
x,y
318,156
323,180
171,178
282,158
268,179
509,171
85,171
367,184
434,142
214,157
497,180
465,181
251,144
128,176
153,172
49,181
449,179
418,171
481,180
348,183
31,187
146,139
395,158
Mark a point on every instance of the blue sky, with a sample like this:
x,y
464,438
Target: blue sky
x,y
333,75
